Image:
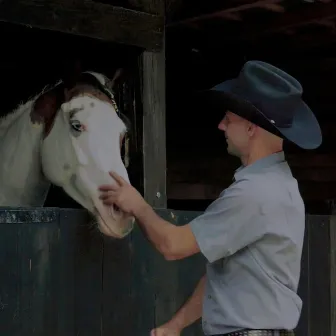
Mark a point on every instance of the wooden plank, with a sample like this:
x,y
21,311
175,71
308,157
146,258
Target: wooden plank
x,y
234,9
29,302
319,276
143,280
172,9
88,18
10,317
166,283
150,6
80,275
190,271
310,191
118,307
304,323
68,254
333,275
224,174
173,282
88,277
154,128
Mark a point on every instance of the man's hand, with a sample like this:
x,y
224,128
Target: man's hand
x,y
122,194
166,330
173,242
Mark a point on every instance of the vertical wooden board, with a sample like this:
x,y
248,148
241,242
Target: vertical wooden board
x,y
303,326
165,279
150,6
319,274
118,308
154,128
10,323
35,277
143,278
67,263
176,280
333,274
190,272
81,274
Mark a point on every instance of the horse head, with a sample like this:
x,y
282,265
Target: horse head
x,y
83,136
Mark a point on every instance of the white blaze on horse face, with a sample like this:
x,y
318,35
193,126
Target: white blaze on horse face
x,y
95,131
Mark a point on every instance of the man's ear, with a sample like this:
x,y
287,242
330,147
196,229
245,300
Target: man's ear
x,y
251,128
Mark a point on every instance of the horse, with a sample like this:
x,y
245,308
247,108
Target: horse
x,y
69,136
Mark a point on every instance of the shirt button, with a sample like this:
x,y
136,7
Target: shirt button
x,y
209,296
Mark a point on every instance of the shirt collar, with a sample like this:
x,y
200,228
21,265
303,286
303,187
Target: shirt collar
x,y
260,164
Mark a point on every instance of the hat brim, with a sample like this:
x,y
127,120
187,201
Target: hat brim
x,y
305,131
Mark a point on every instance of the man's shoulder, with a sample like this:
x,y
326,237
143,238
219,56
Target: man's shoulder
x,y
237,195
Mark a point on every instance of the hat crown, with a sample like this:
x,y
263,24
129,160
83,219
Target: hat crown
x,y
274,92
272,99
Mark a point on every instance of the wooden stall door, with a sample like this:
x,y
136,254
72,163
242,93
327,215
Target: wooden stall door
x,y
59,277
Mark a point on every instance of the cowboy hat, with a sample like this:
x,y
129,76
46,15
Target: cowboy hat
x,y
270,98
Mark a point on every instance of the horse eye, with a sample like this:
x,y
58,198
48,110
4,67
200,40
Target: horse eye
x,y
76,125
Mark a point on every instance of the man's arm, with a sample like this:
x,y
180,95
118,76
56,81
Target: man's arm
x,y
190,312
173,242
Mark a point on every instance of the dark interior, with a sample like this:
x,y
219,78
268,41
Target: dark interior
x,y
206,42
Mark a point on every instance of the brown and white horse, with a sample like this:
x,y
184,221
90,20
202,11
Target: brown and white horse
x,y
70,137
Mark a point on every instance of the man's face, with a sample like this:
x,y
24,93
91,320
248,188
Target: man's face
x,y
235,130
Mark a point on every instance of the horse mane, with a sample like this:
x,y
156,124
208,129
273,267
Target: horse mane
x,y
22,107
19,186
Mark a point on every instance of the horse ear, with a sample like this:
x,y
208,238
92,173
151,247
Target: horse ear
x,y
47,104
117,75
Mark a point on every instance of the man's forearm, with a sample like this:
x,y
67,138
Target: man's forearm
x,y
191,311
156,229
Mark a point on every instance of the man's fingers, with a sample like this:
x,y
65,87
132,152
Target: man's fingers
x,y
118,178
153,332
105,196
108,187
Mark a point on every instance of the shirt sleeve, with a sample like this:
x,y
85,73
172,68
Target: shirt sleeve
x,y
230,223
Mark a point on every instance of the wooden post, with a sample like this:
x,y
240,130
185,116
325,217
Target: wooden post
x,y
154,111
154,129
333,274
87,18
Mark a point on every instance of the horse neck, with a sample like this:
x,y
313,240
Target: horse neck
x,y
21,179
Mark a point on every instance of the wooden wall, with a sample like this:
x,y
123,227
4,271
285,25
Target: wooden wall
x,y
60,278
198,166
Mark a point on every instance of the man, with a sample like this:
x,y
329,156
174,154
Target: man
x,y
252,235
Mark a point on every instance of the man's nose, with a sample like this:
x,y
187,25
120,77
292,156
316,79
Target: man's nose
x,y
222,126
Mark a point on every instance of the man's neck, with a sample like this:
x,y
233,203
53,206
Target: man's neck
x,y
254,156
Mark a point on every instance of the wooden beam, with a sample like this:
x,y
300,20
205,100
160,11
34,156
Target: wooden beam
x,y
149,6
332,226
195,178
306,15
172,9
154,128
272,5
312,191
87,18
193,191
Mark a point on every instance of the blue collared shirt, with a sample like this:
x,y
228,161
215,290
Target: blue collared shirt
x,y
252,238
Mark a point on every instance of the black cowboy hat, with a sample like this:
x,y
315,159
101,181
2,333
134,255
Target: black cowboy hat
x,y
271,99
